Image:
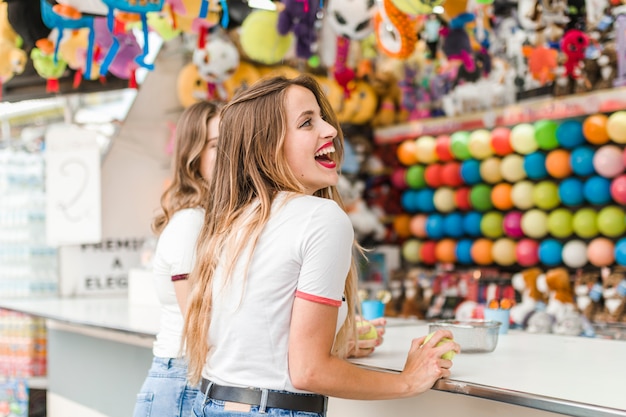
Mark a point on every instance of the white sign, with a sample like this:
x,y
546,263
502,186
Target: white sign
x,y
100,268
73,190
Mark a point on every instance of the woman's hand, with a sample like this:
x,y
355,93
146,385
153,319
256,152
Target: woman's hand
x,y
364,347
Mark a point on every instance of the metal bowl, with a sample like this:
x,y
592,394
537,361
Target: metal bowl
x,y
474,336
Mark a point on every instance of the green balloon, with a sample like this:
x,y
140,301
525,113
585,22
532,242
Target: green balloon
x,y
545,134
546,195
459,145
415,176
480,197
611,221
584,223
560,223
491,224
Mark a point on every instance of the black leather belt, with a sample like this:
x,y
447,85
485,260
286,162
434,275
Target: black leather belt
x,y
312,403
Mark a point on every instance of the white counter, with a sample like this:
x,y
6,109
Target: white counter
x,y
573,376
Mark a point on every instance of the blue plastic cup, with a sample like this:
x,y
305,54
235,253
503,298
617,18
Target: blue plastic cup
x,y
372,309
503,316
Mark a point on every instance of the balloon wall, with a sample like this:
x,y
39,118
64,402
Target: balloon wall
x,y
546,193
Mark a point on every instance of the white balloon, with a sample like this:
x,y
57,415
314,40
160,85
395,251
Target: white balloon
x,y
575,254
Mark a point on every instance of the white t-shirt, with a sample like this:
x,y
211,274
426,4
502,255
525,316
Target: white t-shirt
x,y
174,256
304,251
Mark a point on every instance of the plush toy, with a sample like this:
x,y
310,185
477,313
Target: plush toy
x,y
456,42
46,65
607,68
396,31
573,45
365,222
390,110
540,322
24,16
117,51
217,61
525,283
561,295
614,295
588,292
360,106
190,87
260,40
245,75
300,17
12,58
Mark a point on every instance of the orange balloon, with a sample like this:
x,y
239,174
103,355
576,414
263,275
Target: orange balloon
x,y
594,129
407,152
501,196
481,251
558,163
417,225
401,224
445,251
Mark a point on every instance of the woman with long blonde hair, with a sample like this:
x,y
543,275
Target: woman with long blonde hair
x,y
271,314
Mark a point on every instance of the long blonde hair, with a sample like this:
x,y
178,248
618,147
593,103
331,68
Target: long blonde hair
x,y
188,188
250,170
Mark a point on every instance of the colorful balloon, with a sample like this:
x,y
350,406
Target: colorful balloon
x,y
434,226
428,252
601,252
546,195
611,221
575,254
594,129
501,196
584,223
481,251
512,224
620,252
581,161
545,134
501,141
570,134
425,200
479,144
470,171
522,195
398,178
512,168
608,161
490,170
503,252
523,138
443,199
445,251
411,250
432,175
451,174
407,152
535,165
527,252
463,251
417,225
618,189
491,224
558,163
480,197
471,223
414,177
442,148
453,225
597,190
535,223
425,147
550,252
560,223
616,126
459,145
571,192
462,198
401,225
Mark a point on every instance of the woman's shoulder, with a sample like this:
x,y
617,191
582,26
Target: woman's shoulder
x,y
186,218
312,206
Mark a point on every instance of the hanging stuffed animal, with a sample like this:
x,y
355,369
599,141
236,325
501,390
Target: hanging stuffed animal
x,y
456,41
216,62
12,58
122,63
260,40
24,16
47,65
573,45
396,32
301,18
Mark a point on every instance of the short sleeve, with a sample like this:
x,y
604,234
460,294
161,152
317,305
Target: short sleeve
x,y
179,241
326,255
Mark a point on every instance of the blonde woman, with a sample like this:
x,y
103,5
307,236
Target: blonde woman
x,y
272,310
165,391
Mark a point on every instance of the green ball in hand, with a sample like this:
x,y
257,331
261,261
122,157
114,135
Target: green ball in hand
x,y
448,355
372,333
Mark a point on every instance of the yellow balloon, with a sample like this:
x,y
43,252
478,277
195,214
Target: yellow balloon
x,y
535,223
512,168
616,126
490,170
426,153
523,138
480,144
503,251
443,199
522,195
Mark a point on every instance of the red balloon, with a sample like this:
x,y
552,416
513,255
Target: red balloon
x,y
500,141
428,252
442,148
527,252
432,175
398,178
462,198
451,174
618,189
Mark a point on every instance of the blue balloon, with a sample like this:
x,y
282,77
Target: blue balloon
x,y
425,200
434,226
550,252
620,251
471,223
409,201
535,165
581,160
597,190
463,251
470,171
571,192
570,134
453,225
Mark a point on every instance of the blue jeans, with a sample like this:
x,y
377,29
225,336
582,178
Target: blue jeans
x,y
203,407
165,392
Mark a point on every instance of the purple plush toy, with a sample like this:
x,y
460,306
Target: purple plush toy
x,y
299,17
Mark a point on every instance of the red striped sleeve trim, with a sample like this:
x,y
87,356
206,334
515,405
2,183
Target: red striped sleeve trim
x,y
318,299
179,277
